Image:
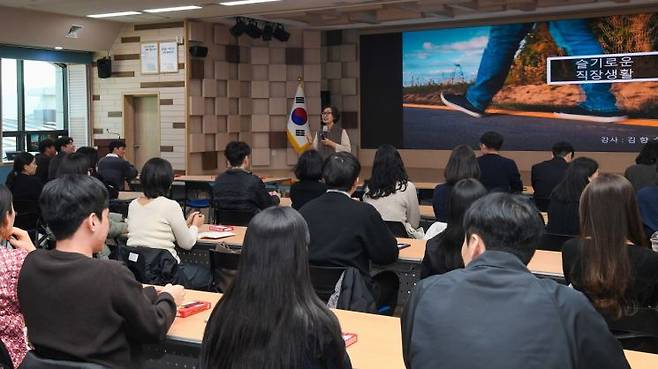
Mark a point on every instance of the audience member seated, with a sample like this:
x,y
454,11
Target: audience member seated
x,y
391,192
64,146
114,169
546,175
565,198
237,188
494,313
443,251
46,153
11,261
349,233
309,173
643,173
273,273
462,164
158,222
647,200
25,187
92,158
610,261
77,308
497,173
331,137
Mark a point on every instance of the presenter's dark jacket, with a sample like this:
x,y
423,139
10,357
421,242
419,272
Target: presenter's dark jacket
x,y
546,175
496,314
43,163
643,291
304,191
238,189
347,233
115,171
83,309
499,174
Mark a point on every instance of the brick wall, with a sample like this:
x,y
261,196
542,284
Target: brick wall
x,y
107,95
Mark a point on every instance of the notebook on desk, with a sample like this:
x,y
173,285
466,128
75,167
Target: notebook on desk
x,y
215,235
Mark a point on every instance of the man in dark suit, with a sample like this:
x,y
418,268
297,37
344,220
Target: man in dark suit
x,y
349,233
497,173
547,174
64,146
114,169
494,313
46,152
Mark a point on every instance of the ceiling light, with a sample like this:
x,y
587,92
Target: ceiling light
x,y
58,48
246,2
117,14
173,9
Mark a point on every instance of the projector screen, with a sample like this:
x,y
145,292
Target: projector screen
x,y
592,82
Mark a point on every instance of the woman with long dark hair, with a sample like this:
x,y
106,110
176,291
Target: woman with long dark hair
x,y
610,261
25,187
270,317
309,173
11,261
564,200
643,173
443,251
462,164
390,191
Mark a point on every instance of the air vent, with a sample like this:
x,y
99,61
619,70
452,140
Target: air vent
x,y
74,31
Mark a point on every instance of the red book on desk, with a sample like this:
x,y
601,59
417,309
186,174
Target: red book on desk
x,y
191,308
349,338
220,228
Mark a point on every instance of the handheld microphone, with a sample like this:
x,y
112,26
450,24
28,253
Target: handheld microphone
x,y
325,130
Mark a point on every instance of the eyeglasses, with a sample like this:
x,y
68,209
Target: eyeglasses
x,y
326,113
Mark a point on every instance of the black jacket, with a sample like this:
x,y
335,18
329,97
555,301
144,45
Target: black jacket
x,y
54,165
496,314
115,171
546,175
238,189
305,191
347,233
43,163
499,174
563,217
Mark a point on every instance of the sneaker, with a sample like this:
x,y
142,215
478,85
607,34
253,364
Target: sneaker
x,y
459,102
580,113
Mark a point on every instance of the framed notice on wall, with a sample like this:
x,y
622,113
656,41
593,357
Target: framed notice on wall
x,y
168,57
149,58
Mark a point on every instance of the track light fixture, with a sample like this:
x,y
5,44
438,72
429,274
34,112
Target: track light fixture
x,y
251,27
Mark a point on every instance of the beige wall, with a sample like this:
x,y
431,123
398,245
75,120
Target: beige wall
x,y
107,97
31,28
248,100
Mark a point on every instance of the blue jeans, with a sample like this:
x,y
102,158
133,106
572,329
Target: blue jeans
x,y
574,36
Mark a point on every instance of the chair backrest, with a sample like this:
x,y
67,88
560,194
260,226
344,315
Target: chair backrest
x,y
397,228
224,267
236,217
32,361
324,280
5,359
553,241
149,265
27,214
640,328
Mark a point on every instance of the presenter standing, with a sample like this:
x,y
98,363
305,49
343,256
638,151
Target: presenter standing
x,y
332,137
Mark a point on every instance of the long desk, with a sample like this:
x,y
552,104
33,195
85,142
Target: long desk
x,y
544,263
211,178
379,340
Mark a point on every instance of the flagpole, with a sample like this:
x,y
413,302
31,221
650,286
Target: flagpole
x,y
300,80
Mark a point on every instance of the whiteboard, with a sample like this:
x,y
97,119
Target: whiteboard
x,y
168,57
149,58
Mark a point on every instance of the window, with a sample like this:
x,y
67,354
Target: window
x,y
34,103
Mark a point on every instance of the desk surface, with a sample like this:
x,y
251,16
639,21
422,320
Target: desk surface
x,y
379,341
544,262
211,178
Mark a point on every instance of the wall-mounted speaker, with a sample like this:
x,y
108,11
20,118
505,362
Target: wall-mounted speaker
x,y
104,66
198,51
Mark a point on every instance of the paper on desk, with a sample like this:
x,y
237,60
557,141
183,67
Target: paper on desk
x,y
215,235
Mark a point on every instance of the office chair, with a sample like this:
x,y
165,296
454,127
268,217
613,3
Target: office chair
x,y
224,267
398,229
324,280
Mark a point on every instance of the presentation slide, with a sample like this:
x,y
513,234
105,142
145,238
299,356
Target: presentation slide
x,y
592,82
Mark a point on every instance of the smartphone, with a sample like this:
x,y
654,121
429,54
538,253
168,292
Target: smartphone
x,y
402,245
